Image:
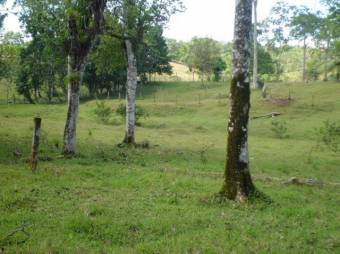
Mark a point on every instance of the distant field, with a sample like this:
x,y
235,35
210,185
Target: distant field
x,y
159,200
181,72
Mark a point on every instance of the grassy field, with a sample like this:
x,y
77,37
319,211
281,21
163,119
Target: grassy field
x,y
160,200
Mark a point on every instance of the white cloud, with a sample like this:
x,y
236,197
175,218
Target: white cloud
x,y
215,18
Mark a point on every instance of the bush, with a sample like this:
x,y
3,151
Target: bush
x,y
329,135
103,112
280,129
140,113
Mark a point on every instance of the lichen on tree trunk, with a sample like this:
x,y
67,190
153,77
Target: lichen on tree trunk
x,y
72,114
238,184
132,76
255,67
80,42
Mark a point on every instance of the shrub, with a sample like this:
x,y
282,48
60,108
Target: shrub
x,y
280,129
329,135
103,112
140,112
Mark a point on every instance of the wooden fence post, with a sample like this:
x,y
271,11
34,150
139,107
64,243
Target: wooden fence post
x,y
35,143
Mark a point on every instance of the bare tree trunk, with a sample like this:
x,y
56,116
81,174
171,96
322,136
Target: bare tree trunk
x,y
325,78
238,184
304,70
36,143
255,67
131,94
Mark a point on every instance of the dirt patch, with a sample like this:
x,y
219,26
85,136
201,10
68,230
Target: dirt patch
x,y
282,102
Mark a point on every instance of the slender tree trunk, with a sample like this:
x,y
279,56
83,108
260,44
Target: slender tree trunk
x,y
131,94
238,184
304,68
255,67
325,78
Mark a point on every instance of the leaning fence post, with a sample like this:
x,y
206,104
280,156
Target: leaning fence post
x,y
35,143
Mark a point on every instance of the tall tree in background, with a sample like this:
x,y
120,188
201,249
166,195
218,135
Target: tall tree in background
x,y
238,184
204,55
255,64
138,17
84,25
304,26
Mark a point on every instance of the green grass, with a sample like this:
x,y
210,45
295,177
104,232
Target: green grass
x,y
160,200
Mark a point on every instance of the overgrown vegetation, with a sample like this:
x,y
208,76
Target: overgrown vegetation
x,y
279,128
329,136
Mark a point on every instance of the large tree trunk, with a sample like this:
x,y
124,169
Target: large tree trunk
x,y
131,94
73,109
81,41
304,68
238,184
255,67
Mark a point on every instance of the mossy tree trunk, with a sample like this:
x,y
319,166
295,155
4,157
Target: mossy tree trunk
x,y
82,37
238,184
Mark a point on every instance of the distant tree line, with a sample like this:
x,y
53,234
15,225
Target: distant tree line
x,y
38,66
295,43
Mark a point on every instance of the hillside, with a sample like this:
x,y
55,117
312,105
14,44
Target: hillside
x,y
180,71
160,200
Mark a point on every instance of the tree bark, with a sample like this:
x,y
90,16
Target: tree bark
x,y
238,184
325,78
304,70
70,131
36,143
255,67
81,41
132,76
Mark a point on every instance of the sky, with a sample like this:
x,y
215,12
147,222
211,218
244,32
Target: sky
x,y
202,18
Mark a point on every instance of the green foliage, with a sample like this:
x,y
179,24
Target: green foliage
x,y
279,128
140,112
103,112
329,135
204,54
304,24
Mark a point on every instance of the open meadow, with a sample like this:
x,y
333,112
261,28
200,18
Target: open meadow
x,y
159,198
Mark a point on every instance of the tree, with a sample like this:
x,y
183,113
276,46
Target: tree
x,y
218,69
274,34
255,63
304,25
204,54
332,35
10,48
153,54
238,184
45,54
138,17
84,25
